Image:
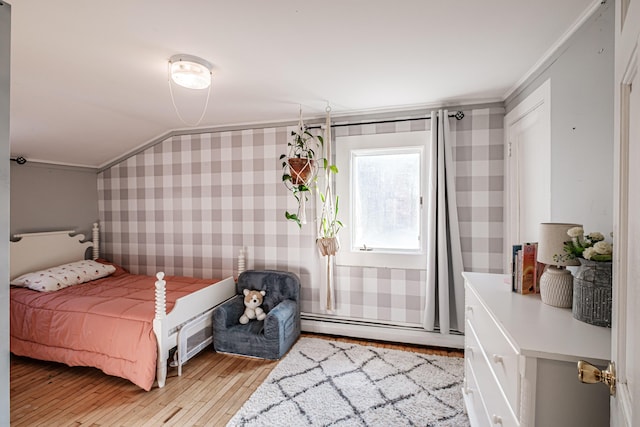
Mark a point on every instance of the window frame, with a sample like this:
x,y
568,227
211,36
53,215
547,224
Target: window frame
x,y
345,145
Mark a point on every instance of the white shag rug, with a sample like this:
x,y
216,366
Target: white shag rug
x,y
331,383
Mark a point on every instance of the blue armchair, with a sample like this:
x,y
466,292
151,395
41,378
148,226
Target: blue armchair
x,y
270,338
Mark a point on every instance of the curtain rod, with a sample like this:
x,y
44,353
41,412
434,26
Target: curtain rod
x,y
459,115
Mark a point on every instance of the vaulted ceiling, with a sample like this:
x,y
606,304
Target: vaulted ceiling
x,y
89,79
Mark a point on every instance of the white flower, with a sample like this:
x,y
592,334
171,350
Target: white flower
x,y
575,232
596,236
603,248
592,247
589,252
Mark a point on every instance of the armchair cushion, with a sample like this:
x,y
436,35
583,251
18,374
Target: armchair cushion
x,y
269,338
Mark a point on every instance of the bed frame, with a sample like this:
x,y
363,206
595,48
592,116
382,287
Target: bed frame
x,y
37,251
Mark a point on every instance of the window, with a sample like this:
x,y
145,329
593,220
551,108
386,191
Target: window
x,y
381,185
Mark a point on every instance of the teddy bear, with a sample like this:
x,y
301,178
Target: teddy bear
x,y
252,302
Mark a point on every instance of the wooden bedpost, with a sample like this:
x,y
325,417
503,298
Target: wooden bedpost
x,y
96,240
159,329
161,297
241,261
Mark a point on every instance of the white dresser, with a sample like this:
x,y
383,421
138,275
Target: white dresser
x,y
520,359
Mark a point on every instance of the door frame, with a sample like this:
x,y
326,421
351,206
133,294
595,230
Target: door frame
x,y
622,400
539,99
627,40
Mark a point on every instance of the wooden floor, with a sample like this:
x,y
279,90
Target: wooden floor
x,y
210,391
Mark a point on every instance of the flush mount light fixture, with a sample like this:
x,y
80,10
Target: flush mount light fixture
x,y
190,71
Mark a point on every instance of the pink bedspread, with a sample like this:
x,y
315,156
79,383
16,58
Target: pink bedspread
x,y
106,323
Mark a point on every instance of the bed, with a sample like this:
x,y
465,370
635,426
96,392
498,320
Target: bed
x,y
124,324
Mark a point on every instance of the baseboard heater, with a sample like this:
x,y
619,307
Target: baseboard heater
x,y
381,331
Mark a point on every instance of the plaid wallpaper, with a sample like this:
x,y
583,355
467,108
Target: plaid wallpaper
x,y
189,203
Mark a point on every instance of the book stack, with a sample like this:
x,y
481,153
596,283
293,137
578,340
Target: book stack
x,y
525,269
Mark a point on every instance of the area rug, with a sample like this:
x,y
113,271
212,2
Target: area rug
x,y
332,383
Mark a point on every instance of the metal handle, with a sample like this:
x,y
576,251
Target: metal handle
x,y
497,358
589,374
496,419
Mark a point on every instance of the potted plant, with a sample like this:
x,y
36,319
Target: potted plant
x,y
327,241
301,156
300,168
592,282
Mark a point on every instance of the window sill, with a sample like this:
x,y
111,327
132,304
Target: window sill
x,y
381,260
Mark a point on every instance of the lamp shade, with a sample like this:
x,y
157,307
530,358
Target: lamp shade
x,y
190,71
551,240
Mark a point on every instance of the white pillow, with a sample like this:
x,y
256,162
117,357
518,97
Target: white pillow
x,y
60,277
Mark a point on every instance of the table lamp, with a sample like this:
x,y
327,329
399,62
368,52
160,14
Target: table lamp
x,y
556,283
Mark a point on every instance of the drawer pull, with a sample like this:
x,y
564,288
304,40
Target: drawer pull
x,y
497,358
469,309
469,350
496,419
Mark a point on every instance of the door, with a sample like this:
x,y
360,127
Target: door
x,y
625,404
528,168
5,56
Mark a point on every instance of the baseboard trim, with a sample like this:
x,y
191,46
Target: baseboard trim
x,y
378,331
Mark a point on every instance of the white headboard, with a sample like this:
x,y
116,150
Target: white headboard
x,y
37,251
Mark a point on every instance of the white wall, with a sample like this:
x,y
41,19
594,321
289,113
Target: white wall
x,y
5,37
581,75
69,193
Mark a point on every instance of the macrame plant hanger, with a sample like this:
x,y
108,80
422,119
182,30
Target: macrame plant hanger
x,y
301,167
327,241
299,178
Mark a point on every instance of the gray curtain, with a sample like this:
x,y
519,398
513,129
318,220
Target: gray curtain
x,y
444,304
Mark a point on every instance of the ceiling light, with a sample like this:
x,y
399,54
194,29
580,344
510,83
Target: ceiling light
x,y
190,71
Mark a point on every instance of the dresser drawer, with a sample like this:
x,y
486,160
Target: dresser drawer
x,y
501,356
498,410
532,390
472,398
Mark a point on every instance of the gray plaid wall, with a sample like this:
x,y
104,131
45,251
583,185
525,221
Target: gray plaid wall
x,y
189,203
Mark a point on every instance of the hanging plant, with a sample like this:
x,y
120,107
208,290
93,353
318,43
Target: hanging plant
x,y
327,241
301,156
300,167
329,224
